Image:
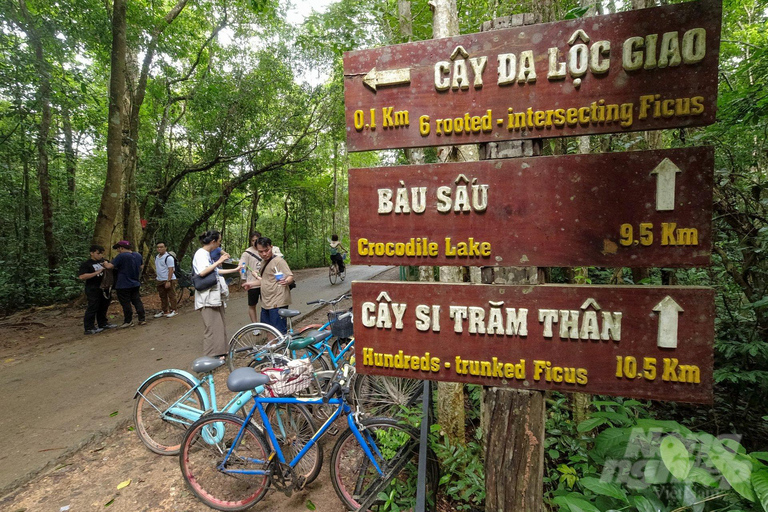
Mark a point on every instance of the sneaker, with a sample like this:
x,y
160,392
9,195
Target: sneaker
x,y
171,314
159,314
142,322
94,331
126,324
109,326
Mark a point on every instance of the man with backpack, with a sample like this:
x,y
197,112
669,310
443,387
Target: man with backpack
x,y
165,264
251,267
128,266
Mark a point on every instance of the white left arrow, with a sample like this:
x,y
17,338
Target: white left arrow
x,y
374,78
668,311
665,173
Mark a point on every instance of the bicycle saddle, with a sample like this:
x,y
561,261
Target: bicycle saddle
x,y
206,364
288,313
244,379
316,335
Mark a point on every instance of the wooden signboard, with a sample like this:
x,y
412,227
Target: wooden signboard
x,y
639,70
636,209
632,341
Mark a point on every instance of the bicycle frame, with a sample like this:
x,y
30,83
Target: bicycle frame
x,y
179,411
367,443
335,360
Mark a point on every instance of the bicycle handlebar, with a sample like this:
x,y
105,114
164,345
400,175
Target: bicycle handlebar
x,y
331,302
340,382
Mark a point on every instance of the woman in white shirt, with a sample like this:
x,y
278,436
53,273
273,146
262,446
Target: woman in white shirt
x,y
211,302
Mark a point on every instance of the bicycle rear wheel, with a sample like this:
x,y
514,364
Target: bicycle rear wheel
x,y
332,274
293,427
396,449
158,428
247,346
386,396
214,460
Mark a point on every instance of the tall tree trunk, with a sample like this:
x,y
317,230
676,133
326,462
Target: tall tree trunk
x,y
69,153
254,210
450,412
405,19
335,185
43,177
124,215
106,220
285,220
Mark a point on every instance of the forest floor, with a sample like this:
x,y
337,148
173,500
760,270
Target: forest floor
x,y
116,472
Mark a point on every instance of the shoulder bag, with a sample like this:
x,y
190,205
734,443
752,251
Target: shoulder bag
x,y
202,283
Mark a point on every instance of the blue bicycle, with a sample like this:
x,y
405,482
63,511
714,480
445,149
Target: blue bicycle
x,y
169,401
229,464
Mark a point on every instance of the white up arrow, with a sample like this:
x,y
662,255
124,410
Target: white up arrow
x,y
665,185
669,311
375,78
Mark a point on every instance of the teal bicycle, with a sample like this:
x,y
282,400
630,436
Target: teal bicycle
x,y
249,345
229,464
169,401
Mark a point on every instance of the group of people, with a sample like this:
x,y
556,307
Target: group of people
x,y
267,278
126,281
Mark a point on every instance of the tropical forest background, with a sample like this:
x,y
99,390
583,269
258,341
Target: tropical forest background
x,y
154,120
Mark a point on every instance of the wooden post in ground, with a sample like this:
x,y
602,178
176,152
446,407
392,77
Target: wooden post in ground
x,y
513,420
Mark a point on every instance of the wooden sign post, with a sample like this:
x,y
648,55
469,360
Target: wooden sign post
x,y
640,70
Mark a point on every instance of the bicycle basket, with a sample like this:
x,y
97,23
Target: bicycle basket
x,y
290,380
341,323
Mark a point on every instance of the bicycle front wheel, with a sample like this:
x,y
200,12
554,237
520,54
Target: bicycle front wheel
x,y
293,427
396,451
159,414
247,346
386,396
224,462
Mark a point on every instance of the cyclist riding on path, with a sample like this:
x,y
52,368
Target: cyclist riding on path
x,y
337,252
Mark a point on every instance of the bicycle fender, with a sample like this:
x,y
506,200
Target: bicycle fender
x,y
171,371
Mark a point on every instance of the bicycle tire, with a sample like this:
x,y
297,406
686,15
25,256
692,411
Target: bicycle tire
x,y
354,478
386,396
343,274
332,274
340,344
246,345
200,460
160,435
293,427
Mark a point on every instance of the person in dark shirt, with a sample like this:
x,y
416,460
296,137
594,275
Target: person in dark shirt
x,y
128,266
91,271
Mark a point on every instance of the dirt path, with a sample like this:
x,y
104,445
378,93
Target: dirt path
x,y
45,350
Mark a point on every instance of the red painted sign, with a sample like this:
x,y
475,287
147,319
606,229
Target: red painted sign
x,y
639,70
634,341
636,209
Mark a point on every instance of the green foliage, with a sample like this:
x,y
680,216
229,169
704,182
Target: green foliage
x,y
637,462
462,469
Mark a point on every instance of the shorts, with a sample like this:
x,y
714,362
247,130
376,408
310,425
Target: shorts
x,y
253,296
